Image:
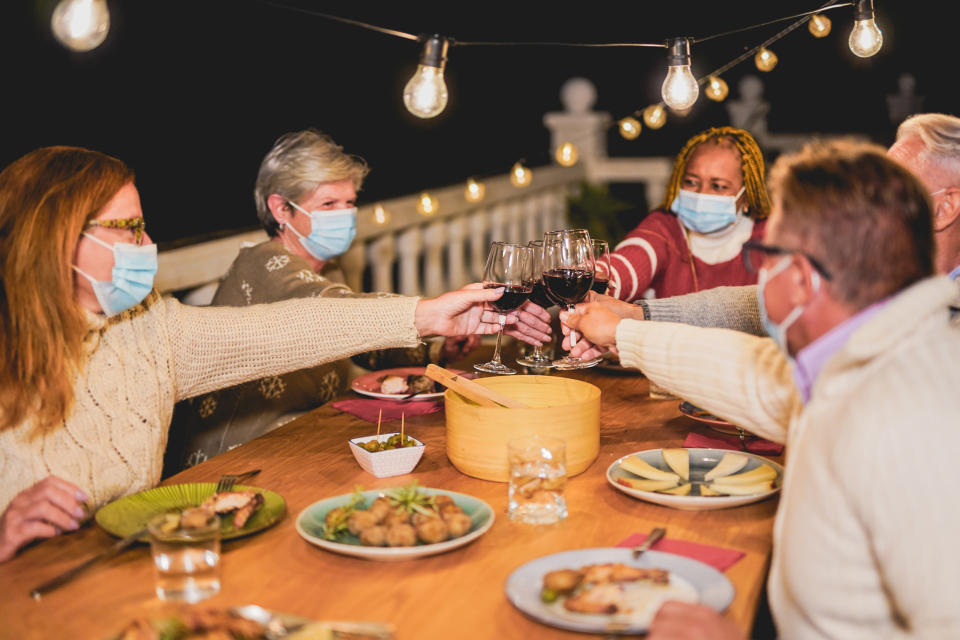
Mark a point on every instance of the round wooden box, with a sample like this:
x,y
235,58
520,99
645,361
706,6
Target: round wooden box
x,y
559,407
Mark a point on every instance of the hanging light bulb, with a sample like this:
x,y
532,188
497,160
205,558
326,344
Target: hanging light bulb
x,y
426,93
426,204
474,191
765,59
866,37
520,176
380,215
655,116
567,154
629,128
717,89
81,25
819,26
680,88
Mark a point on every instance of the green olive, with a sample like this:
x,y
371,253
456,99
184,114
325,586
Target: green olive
x,y
548,595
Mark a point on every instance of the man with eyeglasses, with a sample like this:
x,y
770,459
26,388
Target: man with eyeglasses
x,y
868,408
927,144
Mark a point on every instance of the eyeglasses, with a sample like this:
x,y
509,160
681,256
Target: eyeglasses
x,y
137,225
753,253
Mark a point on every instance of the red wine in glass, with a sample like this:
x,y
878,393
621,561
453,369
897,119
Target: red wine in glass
x,y
600,284
513,296
568,285
541,296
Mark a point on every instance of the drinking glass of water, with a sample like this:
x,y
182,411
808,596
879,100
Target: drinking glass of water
x,y
538,476
186,555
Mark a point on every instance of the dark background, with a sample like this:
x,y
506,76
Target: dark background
x,y
192,93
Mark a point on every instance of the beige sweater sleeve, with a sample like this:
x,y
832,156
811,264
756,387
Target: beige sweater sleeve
x,y
741,378
216,347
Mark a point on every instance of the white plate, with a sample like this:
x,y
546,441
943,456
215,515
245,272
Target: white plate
x,y
369,384
713,589
310,522
701,461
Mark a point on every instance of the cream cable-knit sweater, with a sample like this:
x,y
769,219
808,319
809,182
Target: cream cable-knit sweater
x,y
865,540
143,361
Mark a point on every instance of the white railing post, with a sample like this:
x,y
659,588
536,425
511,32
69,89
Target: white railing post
x,y
456,264
435,238
479,226
409,246
381,253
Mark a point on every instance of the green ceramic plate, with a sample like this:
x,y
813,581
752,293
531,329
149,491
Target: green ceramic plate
x,y
129,514
310,527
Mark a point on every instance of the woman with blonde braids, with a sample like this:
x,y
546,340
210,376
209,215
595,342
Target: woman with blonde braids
x,y
715,201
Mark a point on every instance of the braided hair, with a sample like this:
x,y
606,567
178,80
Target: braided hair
x,y
751,166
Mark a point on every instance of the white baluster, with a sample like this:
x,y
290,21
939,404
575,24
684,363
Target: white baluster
x,y
352,263
458,274
409,247
498,223
381,253
479,222
434,238
531,218
514,212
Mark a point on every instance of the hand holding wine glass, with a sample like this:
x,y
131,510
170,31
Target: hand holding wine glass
x,y
540,297
507,266
568,266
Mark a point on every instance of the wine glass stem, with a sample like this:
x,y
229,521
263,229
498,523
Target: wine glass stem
x,y
573,334
496,351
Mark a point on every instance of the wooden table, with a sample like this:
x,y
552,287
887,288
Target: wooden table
x,y
455,595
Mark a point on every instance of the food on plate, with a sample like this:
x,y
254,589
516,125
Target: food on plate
x,y
729,463
682,490
647,485
640,467
242,504
194,623
679,461
739,489
598,588
403,517
396,441
396,385
762,473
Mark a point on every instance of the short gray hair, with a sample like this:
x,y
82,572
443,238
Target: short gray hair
x,y
940,134
296,164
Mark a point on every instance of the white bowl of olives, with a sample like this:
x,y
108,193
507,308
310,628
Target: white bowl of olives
x,y
388,454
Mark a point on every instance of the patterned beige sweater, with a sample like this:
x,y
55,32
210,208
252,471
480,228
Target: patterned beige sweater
x,y
865,540
142,361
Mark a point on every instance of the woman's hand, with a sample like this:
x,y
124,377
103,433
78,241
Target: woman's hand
x,y
44,510
597,325
682,621
621,308
456,347
465,311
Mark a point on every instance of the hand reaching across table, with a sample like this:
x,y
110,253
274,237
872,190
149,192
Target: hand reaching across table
x,y
43,510
683,621
597,325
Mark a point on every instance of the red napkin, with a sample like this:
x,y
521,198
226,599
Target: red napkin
x,y
755,444
720,558
369,408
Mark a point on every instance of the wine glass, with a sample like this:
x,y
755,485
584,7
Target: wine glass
x,y
507,266
538,296
568,268
601,271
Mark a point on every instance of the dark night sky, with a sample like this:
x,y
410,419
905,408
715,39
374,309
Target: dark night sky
x,y
192,93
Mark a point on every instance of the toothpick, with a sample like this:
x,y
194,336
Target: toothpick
x,y
401,428
379,416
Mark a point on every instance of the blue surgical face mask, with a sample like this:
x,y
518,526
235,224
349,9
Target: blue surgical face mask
x,y
331,231
134,268
778,331
705,212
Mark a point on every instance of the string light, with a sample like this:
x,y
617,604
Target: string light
x,y
567,154
680,88
425,95
655,116
380,215
717,89
765,59
426,204
629,128
81,25
474,191
819,26
520,176
866,37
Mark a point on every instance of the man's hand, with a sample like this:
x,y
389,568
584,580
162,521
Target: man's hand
x,y
598,328
456,347
44,510
621,308
466,311
682,621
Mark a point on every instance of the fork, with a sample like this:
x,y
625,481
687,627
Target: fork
x,y
651,540
228,480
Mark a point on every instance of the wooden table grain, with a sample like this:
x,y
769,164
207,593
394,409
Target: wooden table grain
x,y
455,595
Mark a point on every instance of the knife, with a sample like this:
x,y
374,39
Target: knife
x,y
70,574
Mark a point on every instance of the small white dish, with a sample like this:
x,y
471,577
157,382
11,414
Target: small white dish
x,y
392,462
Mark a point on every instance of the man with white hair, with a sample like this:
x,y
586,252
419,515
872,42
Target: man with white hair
x,y
928,144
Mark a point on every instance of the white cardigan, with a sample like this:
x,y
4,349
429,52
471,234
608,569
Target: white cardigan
x,y
142,361
867,534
